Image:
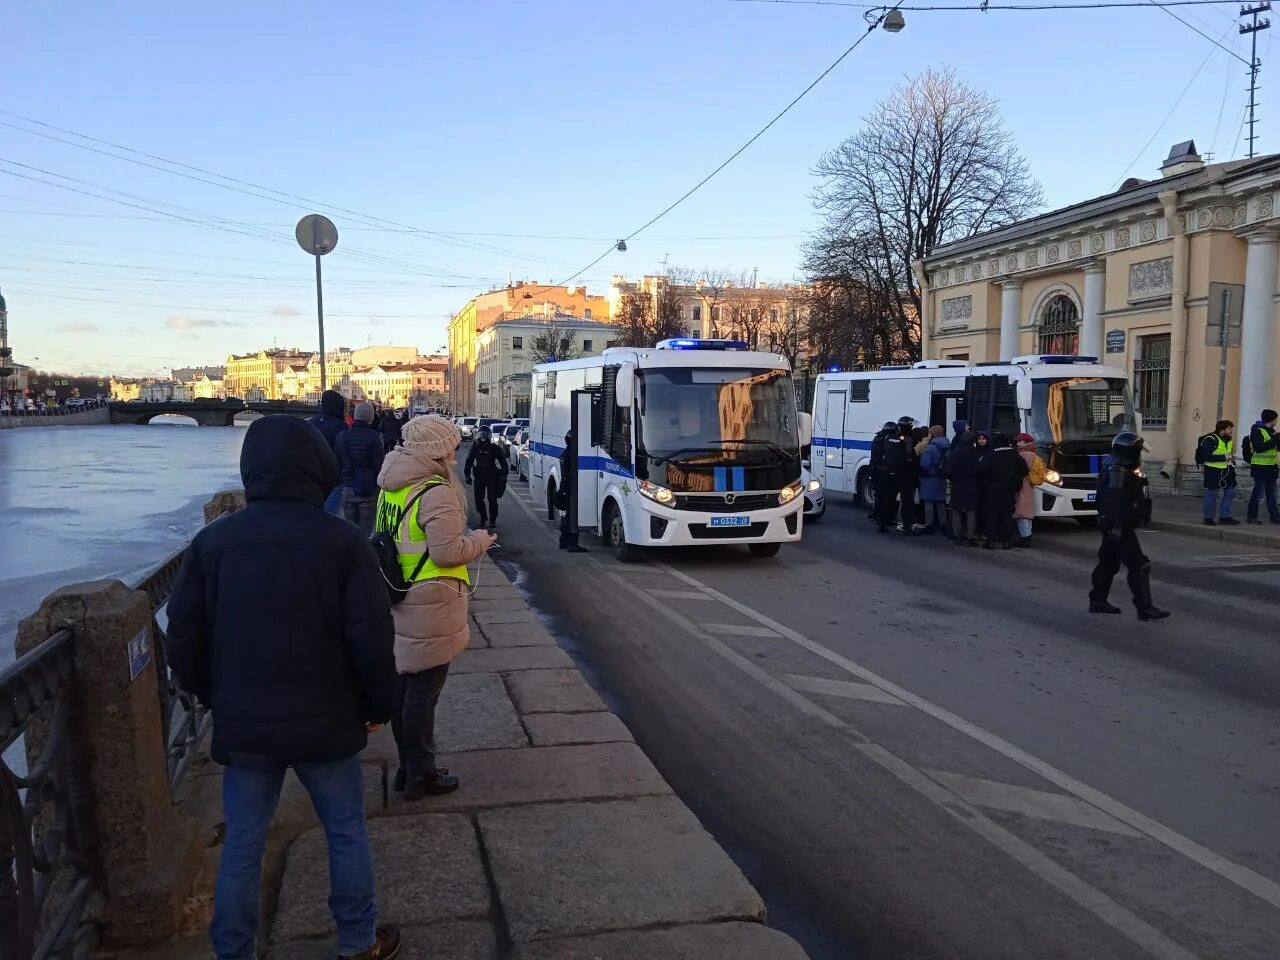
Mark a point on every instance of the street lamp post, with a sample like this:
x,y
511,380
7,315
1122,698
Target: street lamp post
x,y
317,236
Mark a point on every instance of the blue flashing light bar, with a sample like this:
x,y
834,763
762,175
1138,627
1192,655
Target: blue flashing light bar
x,y
688,344
895,366
1067,359
834,368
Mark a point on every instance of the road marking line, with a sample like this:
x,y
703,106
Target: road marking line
x,y
1262,887
737,630
681,595
839,688
1039,804
1089,898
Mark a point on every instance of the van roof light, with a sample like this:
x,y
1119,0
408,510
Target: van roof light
x,y
1054,358
691,344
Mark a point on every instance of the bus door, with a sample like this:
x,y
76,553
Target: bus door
x,y
946,407
835,411
586,492
991,403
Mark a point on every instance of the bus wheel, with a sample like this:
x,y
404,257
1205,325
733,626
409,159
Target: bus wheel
x,y
866,490
625,552
764,549
551,501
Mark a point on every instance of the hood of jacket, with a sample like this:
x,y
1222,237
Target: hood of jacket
x,y
405,466
960,426
284,458
942,443
965,439
332,404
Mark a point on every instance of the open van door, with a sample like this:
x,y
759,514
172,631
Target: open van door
x,y
585,508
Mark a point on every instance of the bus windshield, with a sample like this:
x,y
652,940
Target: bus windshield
x,y
1080,408
725,414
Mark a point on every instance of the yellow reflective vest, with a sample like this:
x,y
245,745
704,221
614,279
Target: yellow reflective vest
x,y
1220,459
411,539
1265,458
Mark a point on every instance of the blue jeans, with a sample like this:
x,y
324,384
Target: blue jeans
x,y
333,502
1211,500
1264,484
249,798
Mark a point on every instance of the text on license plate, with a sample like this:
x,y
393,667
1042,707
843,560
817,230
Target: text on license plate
x,y
1090,497
730,521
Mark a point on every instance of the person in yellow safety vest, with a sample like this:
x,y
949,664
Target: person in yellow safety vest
x,y
1214,454
1264,446
423,505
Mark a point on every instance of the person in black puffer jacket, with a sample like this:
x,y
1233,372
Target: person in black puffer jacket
x,y
279,621
392,424
360,455
332,423
967,464
999,490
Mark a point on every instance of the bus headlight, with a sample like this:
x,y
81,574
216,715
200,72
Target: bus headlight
x,y
815,485
790,492
1052,476
656,493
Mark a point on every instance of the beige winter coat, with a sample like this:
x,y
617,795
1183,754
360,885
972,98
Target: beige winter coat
x,y
431,622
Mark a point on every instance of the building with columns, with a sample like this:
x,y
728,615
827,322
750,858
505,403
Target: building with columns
x,y
1166,278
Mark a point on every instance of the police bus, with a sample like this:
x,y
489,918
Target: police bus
x,y
689,442
1072,405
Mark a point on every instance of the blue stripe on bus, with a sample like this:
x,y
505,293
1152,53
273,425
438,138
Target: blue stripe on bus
x,y
721,478
739,478
839,442
1095,463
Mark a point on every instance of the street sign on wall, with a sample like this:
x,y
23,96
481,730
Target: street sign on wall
x,y
1115,341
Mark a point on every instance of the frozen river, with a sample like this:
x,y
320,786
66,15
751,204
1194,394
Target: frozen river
x,y
82,503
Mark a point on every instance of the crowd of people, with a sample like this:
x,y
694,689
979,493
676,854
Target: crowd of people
x,y
284,621
977,489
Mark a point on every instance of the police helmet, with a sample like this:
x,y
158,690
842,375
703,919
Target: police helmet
x,y
1127,446
906,423
484,433
889,425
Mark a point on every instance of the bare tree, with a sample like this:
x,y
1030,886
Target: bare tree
x,y
648,316
712,282
933,163
554,342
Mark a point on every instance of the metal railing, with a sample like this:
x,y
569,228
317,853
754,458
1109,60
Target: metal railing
x,y
51,890
61,411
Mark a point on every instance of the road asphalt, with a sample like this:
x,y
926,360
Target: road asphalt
x,y
920,751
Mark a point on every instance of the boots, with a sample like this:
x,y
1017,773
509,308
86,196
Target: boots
x,y
1146,609
1101,606
386,946
439,781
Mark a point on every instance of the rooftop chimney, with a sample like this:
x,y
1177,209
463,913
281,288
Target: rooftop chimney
x,y
1182,159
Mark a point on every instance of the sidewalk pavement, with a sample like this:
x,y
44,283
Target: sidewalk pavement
x,y
1185,514
563,843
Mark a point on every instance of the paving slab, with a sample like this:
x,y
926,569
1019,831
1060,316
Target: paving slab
x,y
531,634
426,866
501,603
566,870
495,778
475,713
739,941
471,940
507,659
484,616
477,638
553,691
556,729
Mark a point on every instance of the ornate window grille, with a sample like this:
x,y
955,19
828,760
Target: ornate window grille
x,y
1151,381
1060,327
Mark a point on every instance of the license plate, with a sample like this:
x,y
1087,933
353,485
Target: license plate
x,y
1090,497
730,521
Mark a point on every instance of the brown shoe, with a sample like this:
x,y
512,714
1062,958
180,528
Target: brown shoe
x,y
386,947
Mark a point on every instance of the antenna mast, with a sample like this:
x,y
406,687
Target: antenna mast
x,y
1252,10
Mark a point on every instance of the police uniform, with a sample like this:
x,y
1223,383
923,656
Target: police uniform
x,y
1124,505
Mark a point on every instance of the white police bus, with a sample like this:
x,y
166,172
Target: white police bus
x,y
689,442
1072,405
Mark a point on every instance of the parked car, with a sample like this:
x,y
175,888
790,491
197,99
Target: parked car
x,y
468,426
815,504
510,436
495,432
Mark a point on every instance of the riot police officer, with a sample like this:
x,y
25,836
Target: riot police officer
x,y
1124,504
879,478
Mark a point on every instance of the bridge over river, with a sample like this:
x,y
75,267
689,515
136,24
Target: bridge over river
x,y
207,413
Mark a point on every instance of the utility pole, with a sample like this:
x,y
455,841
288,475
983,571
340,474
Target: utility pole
x,y
1252,10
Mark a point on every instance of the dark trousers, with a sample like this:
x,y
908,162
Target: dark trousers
x,y
907,486
935,514
886,486
568,536
964,524
358,510
487,491
1264,484
997,515
1127,552
413,721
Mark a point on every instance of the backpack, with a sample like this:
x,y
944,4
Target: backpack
x,y
384,546
895,454
1200,448
1246,448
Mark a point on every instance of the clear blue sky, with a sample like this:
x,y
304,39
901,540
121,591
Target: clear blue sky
x,y
564,118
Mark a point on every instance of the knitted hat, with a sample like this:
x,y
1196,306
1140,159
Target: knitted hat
x,y
1026,438
1269,415
364,412
432,434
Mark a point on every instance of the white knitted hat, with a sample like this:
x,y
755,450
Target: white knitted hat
x,y
432,434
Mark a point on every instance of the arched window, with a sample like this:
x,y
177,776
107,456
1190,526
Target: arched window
x,y
1060,327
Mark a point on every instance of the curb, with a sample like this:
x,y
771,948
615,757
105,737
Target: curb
x,y
1230,534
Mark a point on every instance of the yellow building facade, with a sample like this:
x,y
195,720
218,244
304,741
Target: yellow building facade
x,y
254,376
1165,278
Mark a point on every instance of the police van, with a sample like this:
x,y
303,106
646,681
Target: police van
x,y
1072,405
689,442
